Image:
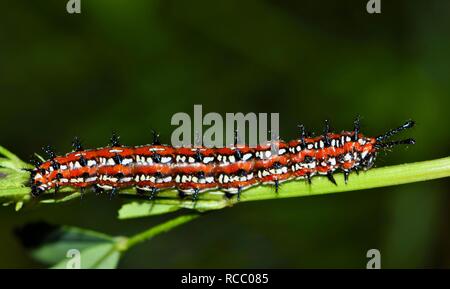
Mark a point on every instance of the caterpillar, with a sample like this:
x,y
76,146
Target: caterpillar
x,y
193,170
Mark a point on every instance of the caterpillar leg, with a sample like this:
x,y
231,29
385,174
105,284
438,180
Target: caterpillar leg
x,y
113,193
239,191
346,174
36,191
97,190
82,192
331,177
308,178
142,191
277,185
195,195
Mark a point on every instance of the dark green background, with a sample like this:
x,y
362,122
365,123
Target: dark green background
x,y
130,65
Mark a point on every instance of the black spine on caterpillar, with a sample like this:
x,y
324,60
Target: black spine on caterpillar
x,y
381,138
115,140
302,136
326,131
156,140
76,144
356,127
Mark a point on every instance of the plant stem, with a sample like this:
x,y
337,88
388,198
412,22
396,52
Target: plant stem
x,y
378,177
374,178
158,229
13,178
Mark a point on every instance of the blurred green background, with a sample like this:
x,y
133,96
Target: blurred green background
x,y
130,65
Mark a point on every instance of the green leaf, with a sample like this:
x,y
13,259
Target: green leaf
x,y
12,161
13,178
10,178
14,193
50,244
101,256
63,195
71,247
19,206
141,209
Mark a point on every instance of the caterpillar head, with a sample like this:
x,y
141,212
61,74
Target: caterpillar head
x,y
39,180
368,147
381,143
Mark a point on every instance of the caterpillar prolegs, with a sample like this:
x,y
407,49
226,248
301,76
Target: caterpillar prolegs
x,y
155,167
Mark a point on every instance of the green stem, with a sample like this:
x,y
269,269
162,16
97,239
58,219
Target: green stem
x,y
158,229
12,189
374,178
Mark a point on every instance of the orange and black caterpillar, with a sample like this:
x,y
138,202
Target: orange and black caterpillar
x,y
155,167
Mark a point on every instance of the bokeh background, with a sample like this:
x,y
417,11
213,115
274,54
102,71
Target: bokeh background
x,y
130,65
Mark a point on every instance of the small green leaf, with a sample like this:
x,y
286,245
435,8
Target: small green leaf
x,y
12,162
49,244
15,161
163,206
141,209
71,247
39,157
101,256
10,178
14,193
19,206
64,195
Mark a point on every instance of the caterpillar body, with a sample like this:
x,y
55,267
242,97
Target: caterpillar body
x,y
151,168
